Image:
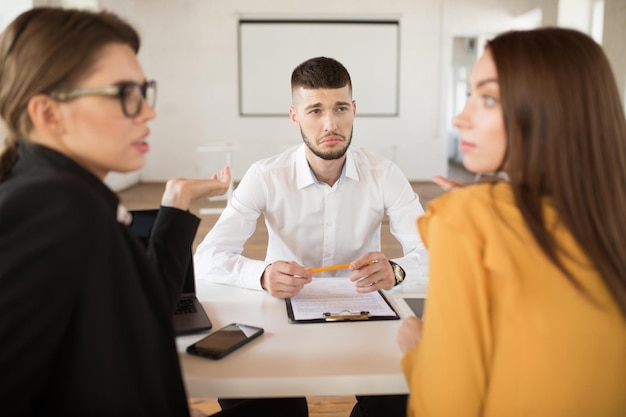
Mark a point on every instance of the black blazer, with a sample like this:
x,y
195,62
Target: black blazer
x,y
85,315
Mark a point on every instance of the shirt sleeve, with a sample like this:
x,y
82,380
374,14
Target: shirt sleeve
x,y
403,208
169,248
447,371
219,257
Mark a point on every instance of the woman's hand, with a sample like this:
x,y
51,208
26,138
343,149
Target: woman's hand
x,y
180,192
447,184
410,334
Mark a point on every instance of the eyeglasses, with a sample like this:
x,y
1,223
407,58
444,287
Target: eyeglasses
x,y
130,93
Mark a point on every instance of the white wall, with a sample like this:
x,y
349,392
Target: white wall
x,y
614,38
549,9
575,14
190,47
476,19
10,9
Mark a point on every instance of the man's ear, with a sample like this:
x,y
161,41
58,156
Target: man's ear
x,y
293,116
45,114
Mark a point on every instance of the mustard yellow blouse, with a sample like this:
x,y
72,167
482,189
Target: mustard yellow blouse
x,y
505,333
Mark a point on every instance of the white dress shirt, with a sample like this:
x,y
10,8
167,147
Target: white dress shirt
x,y
310,222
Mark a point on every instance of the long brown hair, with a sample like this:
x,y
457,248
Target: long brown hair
x,y
45,49
566,135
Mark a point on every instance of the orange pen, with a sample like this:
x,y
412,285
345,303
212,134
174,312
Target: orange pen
x,y
330,268
341,266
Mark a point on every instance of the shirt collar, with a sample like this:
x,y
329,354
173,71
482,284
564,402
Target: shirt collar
x,y
305,175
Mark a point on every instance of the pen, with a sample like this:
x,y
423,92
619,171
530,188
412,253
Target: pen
x,y
329,268
341,266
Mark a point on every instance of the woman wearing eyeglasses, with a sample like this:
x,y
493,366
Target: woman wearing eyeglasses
x,y
85,315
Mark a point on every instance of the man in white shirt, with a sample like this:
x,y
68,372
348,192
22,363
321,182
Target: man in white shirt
x,y
324,203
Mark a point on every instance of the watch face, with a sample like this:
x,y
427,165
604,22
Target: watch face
x,y
398,272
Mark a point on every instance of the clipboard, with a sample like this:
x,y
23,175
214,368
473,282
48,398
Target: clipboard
x,y
325,302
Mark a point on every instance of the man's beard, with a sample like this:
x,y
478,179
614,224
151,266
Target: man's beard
x,y
330,155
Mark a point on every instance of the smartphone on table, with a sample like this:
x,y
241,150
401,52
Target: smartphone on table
x,y
222,342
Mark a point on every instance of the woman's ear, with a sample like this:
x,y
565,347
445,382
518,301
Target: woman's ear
x,y
45,114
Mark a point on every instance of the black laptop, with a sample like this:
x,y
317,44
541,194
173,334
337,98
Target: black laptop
x,y
189,316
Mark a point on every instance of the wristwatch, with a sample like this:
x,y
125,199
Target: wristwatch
x,y
398,272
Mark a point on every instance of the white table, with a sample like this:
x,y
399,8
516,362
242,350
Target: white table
x,y
295,359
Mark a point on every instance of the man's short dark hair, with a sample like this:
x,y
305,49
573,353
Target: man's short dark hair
x,y
320,72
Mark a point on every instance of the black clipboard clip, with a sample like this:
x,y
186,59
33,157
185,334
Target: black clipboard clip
x,y
347,315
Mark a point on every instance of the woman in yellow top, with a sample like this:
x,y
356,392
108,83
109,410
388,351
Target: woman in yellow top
x,y
526,310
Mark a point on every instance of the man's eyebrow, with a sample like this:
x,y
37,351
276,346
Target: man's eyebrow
x,y
312,106
317,105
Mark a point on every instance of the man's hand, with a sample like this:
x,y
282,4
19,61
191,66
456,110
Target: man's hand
x,y
285,279
410,334
372,272
179,192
